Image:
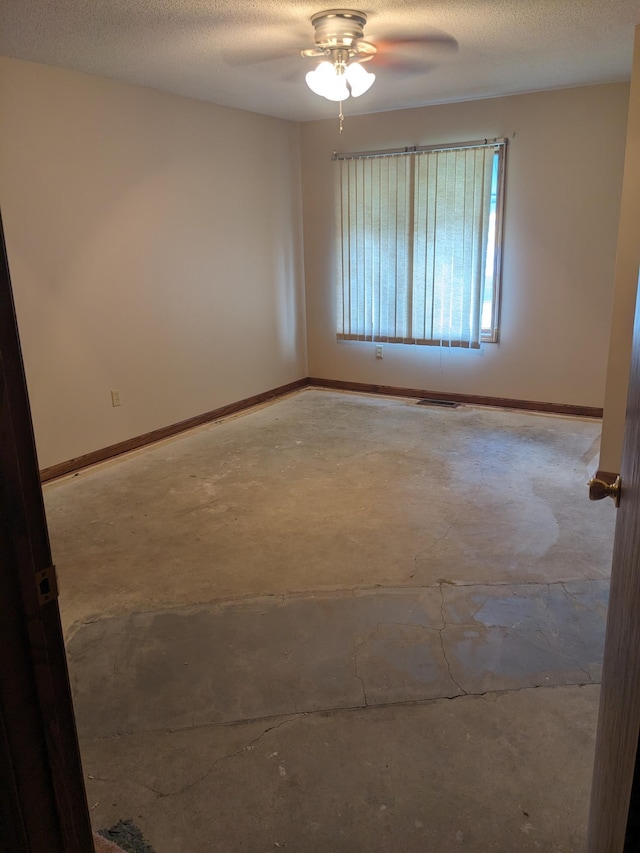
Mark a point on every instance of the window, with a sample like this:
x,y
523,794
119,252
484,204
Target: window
x,y
419,237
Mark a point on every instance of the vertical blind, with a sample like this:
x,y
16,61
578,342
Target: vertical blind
x,y
412,231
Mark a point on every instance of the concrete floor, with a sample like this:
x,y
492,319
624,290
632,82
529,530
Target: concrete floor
x,y
340,623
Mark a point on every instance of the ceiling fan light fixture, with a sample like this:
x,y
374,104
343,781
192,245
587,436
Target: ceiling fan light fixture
x,y
359,80
335,81
329,81
340,44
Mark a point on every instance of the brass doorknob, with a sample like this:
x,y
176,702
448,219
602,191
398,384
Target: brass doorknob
x,y
598,490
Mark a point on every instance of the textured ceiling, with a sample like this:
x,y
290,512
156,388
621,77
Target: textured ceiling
x,y
245,53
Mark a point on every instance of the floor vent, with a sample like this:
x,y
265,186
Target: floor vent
x,y
432,401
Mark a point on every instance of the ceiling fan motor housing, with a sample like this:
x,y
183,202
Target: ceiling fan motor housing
x,y
338,27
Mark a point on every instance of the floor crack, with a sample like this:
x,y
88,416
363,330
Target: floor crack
x,y
572,595
188,786
137,784
233,754
555,650
431,548
356,674
442,646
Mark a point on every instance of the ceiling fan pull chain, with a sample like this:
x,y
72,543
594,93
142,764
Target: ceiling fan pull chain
x,y
341,117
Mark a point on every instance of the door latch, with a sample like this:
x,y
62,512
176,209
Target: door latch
x,y
47,585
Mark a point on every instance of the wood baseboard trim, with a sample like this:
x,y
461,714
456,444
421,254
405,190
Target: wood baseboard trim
x,y
96,456
500,402
114,450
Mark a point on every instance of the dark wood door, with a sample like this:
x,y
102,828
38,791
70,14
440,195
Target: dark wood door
x,y
42,797
613,819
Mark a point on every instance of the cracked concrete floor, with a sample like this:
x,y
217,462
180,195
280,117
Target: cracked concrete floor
x,y
340,622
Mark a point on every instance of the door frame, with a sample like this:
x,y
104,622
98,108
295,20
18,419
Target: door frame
x,y
44,804
614,814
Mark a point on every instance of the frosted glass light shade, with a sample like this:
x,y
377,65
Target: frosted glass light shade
x,y
358,79
325,81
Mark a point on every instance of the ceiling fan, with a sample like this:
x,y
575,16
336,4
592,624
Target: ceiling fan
x,y
342,49
340,44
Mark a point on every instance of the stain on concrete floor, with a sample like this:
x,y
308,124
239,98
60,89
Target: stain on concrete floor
x,y
340,623
323,490
278,656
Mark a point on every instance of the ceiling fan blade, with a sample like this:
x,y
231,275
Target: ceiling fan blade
x,y
434,44
256,57
413,54
400,65
269,43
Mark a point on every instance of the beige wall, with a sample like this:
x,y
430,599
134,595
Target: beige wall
x,y
626,283
564,177
154,244
155,247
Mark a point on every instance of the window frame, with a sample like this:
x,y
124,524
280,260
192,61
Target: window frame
x,y
491,334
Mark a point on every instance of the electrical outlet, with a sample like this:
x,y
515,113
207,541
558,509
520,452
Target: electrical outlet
x,y
115,397
379,351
